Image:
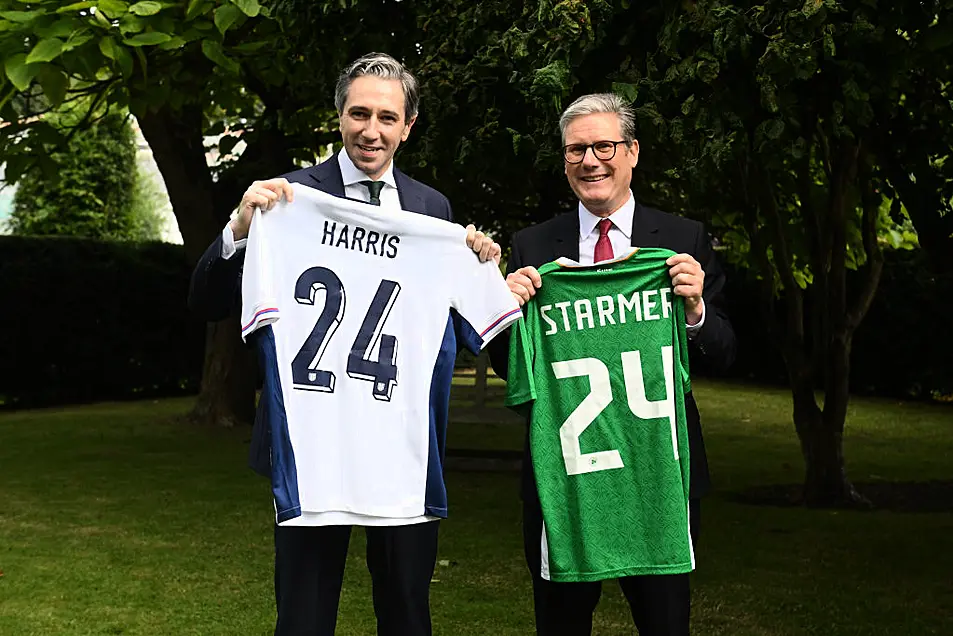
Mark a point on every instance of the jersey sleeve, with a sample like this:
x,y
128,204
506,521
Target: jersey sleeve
x,y
259,306
482,299
681,336
520,382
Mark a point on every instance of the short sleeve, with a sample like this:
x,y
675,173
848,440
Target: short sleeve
x,y
481,298
681,336
520,383
259,306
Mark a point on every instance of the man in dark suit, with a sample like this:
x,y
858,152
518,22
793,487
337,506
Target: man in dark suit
x,y
600,152
376,99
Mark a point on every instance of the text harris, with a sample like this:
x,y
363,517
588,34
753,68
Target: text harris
x,y
361,239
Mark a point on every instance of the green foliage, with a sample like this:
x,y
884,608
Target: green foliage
x,y
145,57
805,133
95,190
807,120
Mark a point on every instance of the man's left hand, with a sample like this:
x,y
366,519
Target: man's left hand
x,y
485,247
688,279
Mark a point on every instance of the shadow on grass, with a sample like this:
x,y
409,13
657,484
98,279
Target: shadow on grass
x,y
912,497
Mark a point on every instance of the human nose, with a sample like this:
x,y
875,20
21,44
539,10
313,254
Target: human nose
x,y
372,128
589,158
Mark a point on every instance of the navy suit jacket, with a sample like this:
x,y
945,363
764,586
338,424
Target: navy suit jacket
x,y
216,286
715,341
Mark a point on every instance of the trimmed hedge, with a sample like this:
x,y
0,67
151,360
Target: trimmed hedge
x,y
90,320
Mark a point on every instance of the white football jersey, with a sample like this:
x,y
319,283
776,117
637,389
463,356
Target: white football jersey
x,y
357,313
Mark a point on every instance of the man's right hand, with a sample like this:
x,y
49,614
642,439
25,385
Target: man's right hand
x,y
260,194
523,284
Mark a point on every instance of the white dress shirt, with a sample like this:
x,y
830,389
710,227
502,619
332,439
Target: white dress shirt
x,y
620,236
351,176
353,189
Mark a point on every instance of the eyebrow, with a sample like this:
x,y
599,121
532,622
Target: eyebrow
x,y
358,107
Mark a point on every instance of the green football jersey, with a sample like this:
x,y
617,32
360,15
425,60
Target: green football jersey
x,y
601,358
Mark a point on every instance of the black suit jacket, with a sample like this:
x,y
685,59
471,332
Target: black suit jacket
x,y
715,340
216,286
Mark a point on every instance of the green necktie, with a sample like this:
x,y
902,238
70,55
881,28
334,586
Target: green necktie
x,y
374,188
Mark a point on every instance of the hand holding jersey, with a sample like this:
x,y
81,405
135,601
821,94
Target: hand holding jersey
x,y
483,245
349,298
262,195
688,281
602,358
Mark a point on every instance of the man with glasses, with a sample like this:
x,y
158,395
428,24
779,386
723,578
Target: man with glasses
x,y
600,152
376,98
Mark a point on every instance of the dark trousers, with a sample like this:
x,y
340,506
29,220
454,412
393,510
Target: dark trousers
x,y
660,604
309,570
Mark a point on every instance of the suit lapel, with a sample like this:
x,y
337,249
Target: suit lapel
x,y
411,198
644,229
327,176
566,236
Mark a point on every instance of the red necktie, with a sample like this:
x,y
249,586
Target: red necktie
x,y
603,245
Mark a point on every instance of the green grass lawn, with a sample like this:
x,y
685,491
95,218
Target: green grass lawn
x,y
115,519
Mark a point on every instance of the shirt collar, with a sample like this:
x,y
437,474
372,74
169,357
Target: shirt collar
x,y
621,218
351,174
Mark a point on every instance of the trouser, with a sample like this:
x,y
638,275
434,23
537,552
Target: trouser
x,y
309,570
660,604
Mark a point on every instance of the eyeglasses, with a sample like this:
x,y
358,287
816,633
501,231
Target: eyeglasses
x,y
604,150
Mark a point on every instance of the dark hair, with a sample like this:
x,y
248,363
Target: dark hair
x,y
383,66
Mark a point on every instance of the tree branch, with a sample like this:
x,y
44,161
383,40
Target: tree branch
x,y
769,206
783,262
826,160
805,181
760,252
875,261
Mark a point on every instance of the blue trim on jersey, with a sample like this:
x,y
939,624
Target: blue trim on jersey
x,y
470,337
435,499
271,406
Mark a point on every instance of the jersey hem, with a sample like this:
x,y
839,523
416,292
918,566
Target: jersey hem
x,y
518,400
588,577
287,515
320,520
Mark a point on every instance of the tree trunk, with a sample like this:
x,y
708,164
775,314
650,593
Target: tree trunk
x,y
479,383
825,480
822,444
821,432
227,395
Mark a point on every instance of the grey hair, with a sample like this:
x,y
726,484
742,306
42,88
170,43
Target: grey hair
x,y
600,103
383,66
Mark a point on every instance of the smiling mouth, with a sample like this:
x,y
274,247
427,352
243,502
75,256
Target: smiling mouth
x,y
594,178
368,149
